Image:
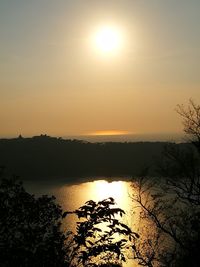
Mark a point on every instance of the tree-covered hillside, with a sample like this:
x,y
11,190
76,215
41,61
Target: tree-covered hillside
x,y
45,156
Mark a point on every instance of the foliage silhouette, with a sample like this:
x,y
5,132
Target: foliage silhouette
x,y
100,236
30,228
171,204
31,232
191,121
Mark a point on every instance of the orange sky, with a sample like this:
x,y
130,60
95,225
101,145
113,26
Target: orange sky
x,y
53,80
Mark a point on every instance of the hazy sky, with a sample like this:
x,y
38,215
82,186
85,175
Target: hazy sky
x,y
54,80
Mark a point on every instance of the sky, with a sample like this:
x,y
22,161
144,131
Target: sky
x,y
54,80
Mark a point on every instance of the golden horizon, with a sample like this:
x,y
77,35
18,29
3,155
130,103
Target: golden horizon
x,y
109,132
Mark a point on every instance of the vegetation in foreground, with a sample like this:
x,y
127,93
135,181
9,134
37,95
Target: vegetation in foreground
x,y
31,228
31,232
171,205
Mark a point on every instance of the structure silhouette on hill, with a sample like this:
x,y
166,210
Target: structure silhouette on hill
x,y
52,157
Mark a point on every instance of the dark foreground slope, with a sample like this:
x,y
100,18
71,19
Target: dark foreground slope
x,y
47,157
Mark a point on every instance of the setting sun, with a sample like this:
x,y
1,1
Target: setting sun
x,y
108,39
100,123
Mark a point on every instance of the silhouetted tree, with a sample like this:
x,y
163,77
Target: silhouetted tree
x,y
30,233
191,121
170,205
100,238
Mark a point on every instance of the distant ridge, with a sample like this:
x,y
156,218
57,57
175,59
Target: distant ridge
x,y
165,137
51,157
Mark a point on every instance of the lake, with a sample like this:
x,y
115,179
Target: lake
x,y
72,196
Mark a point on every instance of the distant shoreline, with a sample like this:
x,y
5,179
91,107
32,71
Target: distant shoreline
x,y
75,160
154,137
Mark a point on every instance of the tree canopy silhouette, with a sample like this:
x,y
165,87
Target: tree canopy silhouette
x,y
191,121
30,233
100,238
171,204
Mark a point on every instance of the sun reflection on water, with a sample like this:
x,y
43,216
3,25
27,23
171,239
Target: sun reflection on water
x,y
73,196
118,190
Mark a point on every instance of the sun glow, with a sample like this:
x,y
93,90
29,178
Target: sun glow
x,y
108,39
109,132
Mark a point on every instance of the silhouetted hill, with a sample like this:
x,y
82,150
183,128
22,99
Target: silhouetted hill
x,y
47,157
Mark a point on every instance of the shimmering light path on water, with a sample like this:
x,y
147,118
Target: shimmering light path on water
x,y
71,197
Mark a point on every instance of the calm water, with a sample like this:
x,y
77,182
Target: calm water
x,y
71,197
